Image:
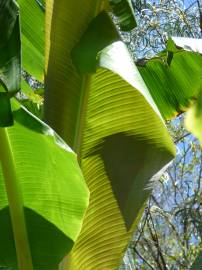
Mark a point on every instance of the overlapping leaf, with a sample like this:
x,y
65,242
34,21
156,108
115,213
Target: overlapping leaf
x,y
175,86
54,193
110,119
193,120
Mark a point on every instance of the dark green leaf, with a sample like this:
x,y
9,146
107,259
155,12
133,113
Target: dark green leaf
x,y
10,57
6,118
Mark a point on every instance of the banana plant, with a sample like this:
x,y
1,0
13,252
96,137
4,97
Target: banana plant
x,y
101,98
104,107
42,190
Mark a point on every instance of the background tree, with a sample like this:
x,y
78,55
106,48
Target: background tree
x,y
169,234
159,19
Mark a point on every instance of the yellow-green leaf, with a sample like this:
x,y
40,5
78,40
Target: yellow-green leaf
x,y
111,121
54,193
32,27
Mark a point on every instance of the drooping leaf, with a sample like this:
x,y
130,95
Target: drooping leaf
x,y
176,86
111,121
32,27
193,120
55,195
123,9
10,64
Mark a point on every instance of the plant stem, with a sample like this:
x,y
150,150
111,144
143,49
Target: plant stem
x,y
81,115
15,202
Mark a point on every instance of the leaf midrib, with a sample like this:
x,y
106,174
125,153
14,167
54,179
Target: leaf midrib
x,y
83,102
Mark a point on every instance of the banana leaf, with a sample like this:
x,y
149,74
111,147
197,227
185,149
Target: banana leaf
x,y
33,32
193,120
109,118
54,193
10,58
176,85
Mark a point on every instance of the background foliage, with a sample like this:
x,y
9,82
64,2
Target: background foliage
x,y
169,234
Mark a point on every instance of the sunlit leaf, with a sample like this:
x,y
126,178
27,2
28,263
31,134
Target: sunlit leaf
x,y
32,28
111,121
173,87
55,195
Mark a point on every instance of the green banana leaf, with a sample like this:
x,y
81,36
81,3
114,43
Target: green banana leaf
x,y
178,87
110,120
193,119
54,193
10,66
173,83
123,9
33,32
